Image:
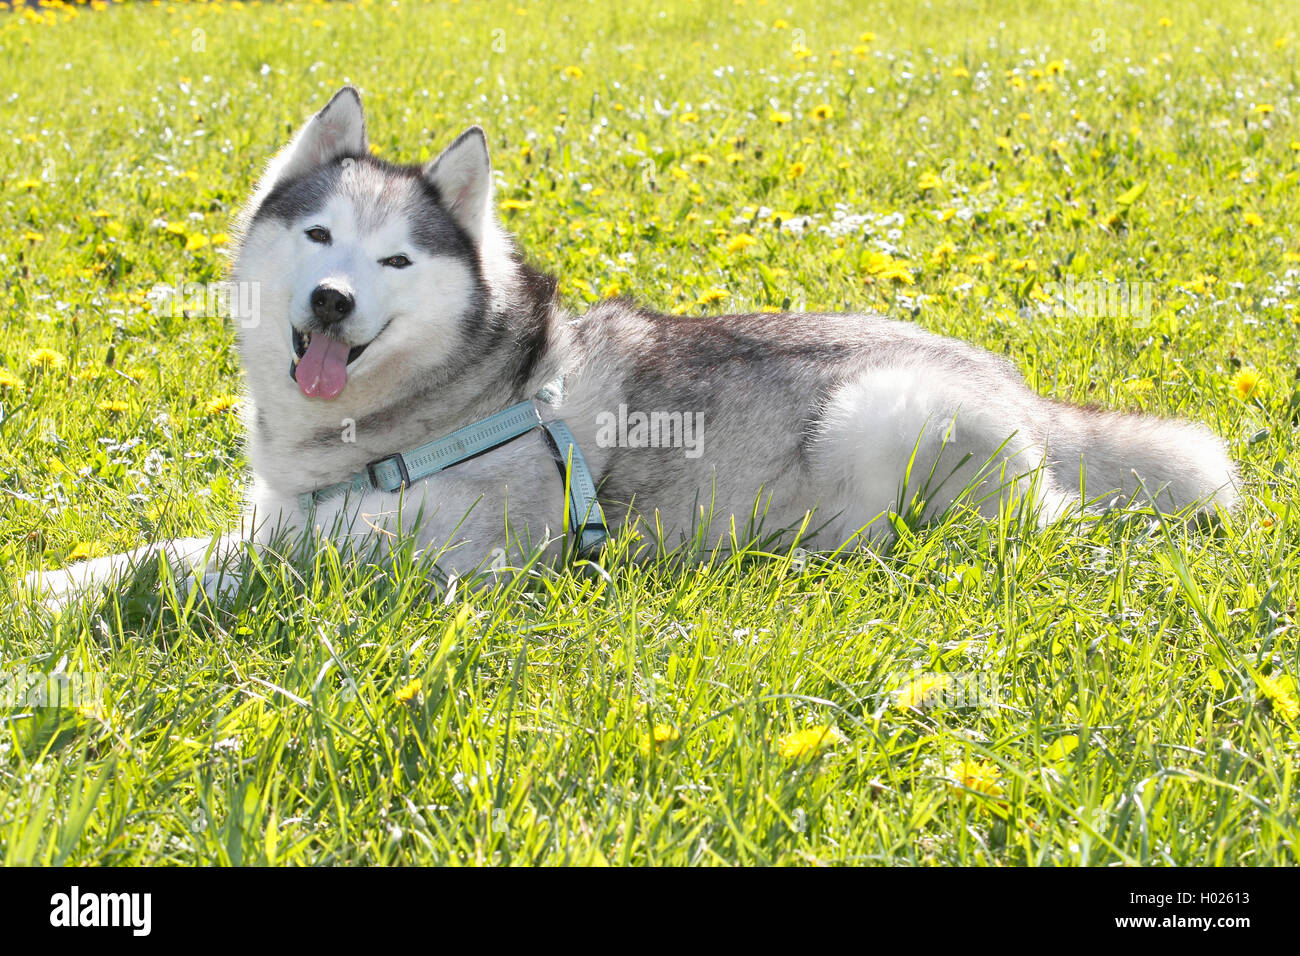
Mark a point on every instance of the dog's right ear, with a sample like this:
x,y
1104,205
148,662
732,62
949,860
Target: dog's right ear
x,y
337,130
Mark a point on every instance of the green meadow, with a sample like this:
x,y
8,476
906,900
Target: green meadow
x,y
1107,193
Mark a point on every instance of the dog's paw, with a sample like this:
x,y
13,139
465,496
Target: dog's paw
x,y
219,586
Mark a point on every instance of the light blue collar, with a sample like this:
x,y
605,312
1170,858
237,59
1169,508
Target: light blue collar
x,y
394,472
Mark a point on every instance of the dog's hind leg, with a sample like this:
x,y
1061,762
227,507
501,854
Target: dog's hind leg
x,y
899,437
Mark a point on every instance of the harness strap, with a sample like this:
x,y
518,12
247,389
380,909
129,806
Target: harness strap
x,y
394,472
586,519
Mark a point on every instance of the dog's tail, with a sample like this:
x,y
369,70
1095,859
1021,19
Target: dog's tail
x,y
188,558
1111,454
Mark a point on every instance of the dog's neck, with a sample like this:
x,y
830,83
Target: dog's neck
x,y
520,343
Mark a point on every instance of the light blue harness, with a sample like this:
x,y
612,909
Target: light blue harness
x,y
397,471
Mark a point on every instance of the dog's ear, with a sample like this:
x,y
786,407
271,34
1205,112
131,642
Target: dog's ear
x,y
463,177
337,130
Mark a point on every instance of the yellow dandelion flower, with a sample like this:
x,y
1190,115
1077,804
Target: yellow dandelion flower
x,y
709,296
689,117
809,742
980,776
407,693
510,205
735,158
34,236
1165,22
823,112
867,37
779,117
881,265
659,736
87,549
929,181
220,403
943,251
1280,693
663,733
922,691
1056,67
740,243
112,405
960,72
9,380
702,159
780,24
573,72
27,185
796,170
1247,383
1253,219
196,241
220,238
176,228
46,358
1202,282
1262,108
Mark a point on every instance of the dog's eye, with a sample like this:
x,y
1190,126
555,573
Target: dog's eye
x,y
396,262
319,234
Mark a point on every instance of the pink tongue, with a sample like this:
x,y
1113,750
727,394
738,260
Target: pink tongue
x,y
323,369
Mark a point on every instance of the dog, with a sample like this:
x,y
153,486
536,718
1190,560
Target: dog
x,y
393,309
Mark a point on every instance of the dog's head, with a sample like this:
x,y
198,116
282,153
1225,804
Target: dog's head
x,y
365,271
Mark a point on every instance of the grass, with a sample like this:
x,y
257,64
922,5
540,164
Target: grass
x,y
1098,691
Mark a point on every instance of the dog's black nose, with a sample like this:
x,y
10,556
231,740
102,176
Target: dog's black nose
x,y
330,305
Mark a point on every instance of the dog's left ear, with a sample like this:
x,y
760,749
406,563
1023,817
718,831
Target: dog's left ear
x,y
463,178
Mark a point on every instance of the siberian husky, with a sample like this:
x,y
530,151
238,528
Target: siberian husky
x,y
394,309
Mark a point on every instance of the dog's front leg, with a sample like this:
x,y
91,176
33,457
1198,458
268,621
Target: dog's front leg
x,y
209,561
